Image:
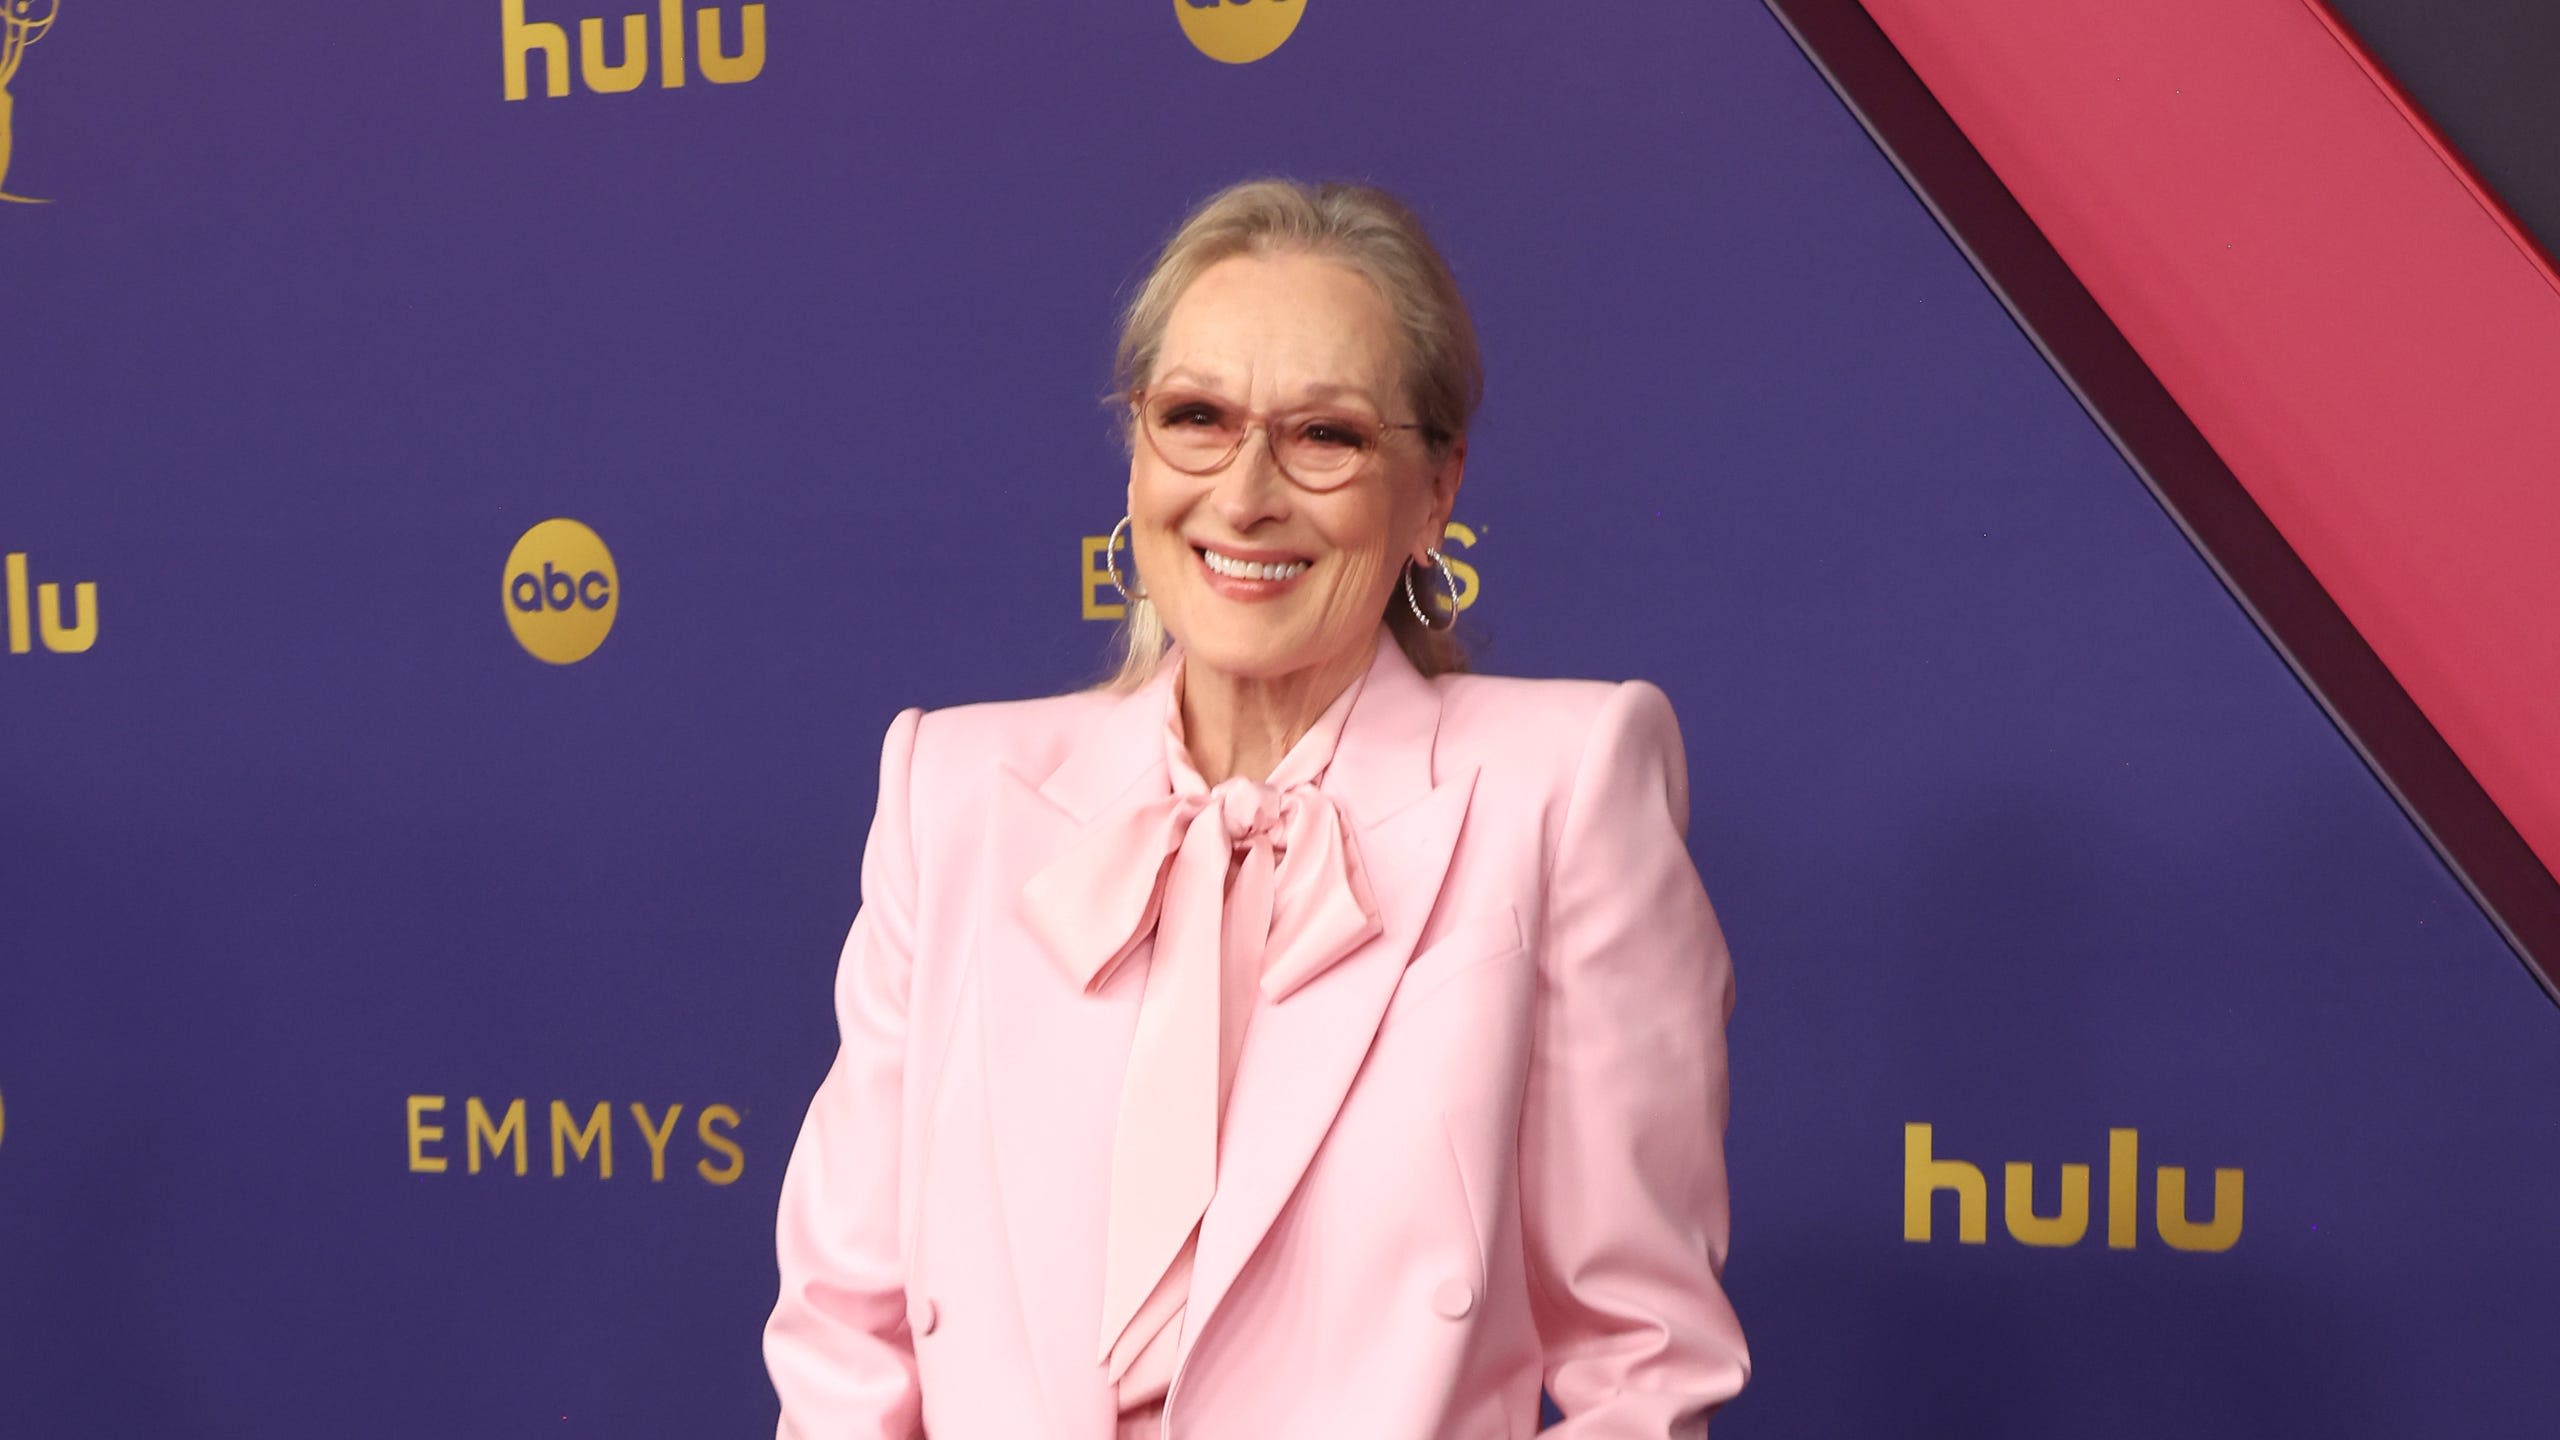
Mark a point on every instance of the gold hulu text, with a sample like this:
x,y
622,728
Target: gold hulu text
x,y
520,40
61,637
501,1137
1924,1177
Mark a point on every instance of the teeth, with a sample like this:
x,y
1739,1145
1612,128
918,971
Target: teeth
x,y
1246,570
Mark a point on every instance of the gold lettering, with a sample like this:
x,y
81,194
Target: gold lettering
x,y
19,643
420,1133
719,1115
1469,583
1096,579
595,1136
2063,1228
614,79
2217,1234
476,1127
671,44
656,1136
76,637
724,69
519,40
1923,1177
2124,1177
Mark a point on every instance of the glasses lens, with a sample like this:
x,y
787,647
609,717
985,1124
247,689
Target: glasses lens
x,y
1192,432
1324,450
1199,433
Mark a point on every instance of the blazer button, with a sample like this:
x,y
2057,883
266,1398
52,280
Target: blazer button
x,y
1453,1299
922,1315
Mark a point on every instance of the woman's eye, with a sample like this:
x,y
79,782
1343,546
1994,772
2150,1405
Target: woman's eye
x,y
1332,433
1191,417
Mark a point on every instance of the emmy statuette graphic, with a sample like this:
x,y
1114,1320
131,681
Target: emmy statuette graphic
x,y
22,23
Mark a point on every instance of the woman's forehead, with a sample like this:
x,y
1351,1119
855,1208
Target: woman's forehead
x,y
1281,322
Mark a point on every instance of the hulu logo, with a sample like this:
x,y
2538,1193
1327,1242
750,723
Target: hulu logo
x,y
62,634
628,68
1925,1177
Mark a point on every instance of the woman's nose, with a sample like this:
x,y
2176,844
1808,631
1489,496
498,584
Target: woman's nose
x,y
1252,488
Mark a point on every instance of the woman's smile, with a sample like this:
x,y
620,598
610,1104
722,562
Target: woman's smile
x,y
1238,574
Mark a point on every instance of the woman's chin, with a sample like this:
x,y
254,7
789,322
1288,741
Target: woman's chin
x,y
1238,653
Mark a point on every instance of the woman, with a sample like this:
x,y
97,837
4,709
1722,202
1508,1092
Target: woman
x,y
1297,1037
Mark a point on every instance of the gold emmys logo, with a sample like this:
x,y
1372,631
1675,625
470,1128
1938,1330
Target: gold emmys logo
x,y
1924,1177
1238,32
560,592
61,638
499,1135
21,24
1102,602
519,39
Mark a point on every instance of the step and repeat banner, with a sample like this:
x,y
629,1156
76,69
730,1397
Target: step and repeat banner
x,y
479,475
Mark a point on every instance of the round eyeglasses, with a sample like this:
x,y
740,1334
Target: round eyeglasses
x,y
1319,448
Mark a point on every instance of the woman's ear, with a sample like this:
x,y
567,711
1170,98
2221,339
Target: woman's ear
x,y
1446,477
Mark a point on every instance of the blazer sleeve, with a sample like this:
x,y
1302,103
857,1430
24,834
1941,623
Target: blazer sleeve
x,y
837,1345
1623,1198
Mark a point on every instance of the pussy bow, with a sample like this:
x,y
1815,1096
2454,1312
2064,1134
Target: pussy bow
x,y
1297,901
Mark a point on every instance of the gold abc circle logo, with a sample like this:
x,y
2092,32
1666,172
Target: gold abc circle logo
x,y
561,592
1238,32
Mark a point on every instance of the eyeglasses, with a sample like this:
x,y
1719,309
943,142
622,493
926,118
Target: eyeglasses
x,y
1318,449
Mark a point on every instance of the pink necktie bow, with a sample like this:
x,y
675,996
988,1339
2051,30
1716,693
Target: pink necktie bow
x,y
1301,897
1298,901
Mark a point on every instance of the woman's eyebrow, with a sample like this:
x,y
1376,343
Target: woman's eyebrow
x,y
1184,374
1312,392
1330,390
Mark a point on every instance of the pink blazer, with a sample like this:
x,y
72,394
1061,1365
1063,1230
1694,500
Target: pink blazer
x,y
1481,1153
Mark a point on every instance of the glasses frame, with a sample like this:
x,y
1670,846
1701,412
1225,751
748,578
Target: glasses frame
x,y
1261,420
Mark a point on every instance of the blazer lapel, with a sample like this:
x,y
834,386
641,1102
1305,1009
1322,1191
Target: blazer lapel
x,y
1055,1057
1303,1050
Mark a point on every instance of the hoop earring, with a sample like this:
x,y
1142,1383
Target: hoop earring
x,y
1111,562
1448,582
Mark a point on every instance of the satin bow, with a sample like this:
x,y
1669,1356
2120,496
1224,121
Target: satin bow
x,y
1097,903
1298,901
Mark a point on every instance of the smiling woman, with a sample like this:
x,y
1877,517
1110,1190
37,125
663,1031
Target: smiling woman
x,y
1296,1035
1385,325
1274,562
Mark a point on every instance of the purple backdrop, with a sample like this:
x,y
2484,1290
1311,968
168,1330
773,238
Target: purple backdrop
x,y
2020,830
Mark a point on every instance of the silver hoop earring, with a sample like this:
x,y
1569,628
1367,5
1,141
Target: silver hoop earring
x,y
1448,582
1111,562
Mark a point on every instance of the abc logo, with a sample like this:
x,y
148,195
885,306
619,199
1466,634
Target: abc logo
x,y
561,592
1238,32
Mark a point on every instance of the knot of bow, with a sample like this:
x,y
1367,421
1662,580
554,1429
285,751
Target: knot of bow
x,y
1160,867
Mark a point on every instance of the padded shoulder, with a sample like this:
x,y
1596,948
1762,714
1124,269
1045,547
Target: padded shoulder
x,y
1028,737
1569,704
1547,734
961,749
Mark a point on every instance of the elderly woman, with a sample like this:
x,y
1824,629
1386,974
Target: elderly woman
x,y
1295,1037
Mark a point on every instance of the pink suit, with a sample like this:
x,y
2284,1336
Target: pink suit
x,y
1480,1152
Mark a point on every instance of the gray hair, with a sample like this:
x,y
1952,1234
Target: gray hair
x,y
1381,238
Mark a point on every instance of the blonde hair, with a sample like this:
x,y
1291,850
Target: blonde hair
x,y
1376,235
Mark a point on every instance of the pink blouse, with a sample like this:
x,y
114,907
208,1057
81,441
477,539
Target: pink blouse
x,y
1149,1372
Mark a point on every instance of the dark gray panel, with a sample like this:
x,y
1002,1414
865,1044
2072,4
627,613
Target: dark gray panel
x,y
2482,70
